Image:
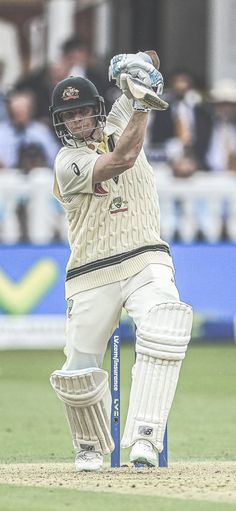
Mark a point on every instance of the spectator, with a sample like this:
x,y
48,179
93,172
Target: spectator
x,y
21,130
74,60
221,154
31,156
180,134
76,55
41,83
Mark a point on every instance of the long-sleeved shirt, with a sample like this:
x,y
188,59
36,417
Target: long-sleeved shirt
x,y
114,226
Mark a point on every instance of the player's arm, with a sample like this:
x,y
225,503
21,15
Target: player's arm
x,y
125,68
126,151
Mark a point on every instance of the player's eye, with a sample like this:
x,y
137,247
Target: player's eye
x,y
67,116
84,110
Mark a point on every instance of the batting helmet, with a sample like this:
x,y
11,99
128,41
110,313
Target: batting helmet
x,y
72,93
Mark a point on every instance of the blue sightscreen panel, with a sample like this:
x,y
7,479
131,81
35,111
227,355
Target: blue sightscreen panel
x,y
205,275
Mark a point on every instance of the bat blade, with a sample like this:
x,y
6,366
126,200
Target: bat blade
x,y
145,95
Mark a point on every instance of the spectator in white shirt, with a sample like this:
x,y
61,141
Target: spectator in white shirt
x,y
221,154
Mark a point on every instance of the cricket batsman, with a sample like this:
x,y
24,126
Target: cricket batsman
x,y
118,259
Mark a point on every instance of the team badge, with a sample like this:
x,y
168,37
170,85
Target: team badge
x,y
70,93
118,205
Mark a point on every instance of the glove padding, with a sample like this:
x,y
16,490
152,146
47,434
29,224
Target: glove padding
x,y
139,79
135,66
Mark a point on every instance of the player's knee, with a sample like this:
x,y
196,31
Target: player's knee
x,y
165,331
76,360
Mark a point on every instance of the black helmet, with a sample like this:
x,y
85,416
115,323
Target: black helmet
x,y
71,93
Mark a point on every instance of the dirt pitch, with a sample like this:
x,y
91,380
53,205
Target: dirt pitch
x,y
213,481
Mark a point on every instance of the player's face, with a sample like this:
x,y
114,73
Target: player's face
x,y
80,121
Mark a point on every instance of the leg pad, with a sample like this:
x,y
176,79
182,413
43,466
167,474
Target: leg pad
x,y
86,397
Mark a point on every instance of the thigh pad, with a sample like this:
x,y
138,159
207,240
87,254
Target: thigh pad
x,y
165,331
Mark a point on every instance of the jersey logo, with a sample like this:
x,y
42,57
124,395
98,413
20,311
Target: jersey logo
x,y
75,169
70,93
118,205
100,191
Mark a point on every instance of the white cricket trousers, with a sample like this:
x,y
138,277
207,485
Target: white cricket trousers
x,y
94,314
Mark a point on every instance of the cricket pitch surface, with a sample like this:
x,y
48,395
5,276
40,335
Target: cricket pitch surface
x,y
212,481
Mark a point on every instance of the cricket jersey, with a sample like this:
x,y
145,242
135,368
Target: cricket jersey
x,y
113,226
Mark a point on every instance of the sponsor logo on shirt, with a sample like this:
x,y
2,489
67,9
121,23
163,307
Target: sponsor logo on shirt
x,y
100,190
75,169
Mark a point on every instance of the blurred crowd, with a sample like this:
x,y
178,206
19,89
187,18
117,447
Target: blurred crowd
x,y
198,131
196,134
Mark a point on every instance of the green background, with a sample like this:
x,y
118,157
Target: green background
x,y
33,427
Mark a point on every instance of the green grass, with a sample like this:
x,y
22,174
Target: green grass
x,y
14,498
203,418
33,427
201,425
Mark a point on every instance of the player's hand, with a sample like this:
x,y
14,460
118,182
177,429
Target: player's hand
x,y
138,77
138,66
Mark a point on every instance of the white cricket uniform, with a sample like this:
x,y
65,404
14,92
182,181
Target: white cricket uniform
x,y
117,256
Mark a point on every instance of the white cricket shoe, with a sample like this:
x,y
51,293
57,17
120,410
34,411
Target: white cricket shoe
x,y
88,460
144,452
